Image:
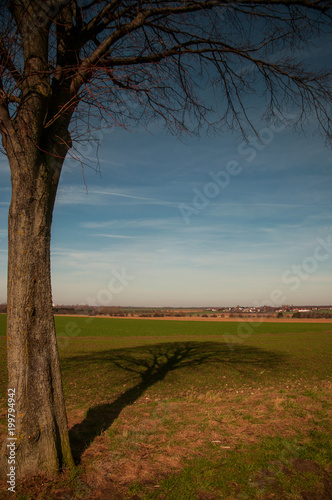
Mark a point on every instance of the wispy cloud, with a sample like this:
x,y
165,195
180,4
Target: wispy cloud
x,y
112,193
141,199
77,195
272,205
119,236
74,195
141,223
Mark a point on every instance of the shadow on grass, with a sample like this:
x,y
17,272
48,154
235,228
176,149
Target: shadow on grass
x,y
149,365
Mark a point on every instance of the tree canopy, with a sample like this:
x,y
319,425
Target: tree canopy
x,y
145,60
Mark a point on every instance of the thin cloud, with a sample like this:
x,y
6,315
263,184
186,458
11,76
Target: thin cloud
x,y
112,193
74,195
134,197
278,205
120,236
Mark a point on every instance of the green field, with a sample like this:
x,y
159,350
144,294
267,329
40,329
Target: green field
x,y
115,327
185,410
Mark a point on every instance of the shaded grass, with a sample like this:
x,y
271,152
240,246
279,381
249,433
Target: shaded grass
x,y
150,365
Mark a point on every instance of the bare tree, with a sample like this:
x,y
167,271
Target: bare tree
x,y
64,65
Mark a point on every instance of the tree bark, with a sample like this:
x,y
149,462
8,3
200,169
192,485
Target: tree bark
x,y
41,429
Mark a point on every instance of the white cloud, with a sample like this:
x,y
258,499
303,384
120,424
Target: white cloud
x,y
76,195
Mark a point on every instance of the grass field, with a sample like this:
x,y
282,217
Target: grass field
x,y
186,410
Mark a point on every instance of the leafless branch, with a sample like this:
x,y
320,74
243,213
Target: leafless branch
x,y
136,61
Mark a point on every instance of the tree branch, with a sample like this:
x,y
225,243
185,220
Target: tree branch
x,y
5,121
7,63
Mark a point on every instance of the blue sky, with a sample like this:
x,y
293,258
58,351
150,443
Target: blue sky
x,y
156,228
153,217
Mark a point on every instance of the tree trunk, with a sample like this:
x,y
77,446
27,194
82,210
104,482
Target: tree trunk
x,y
42,443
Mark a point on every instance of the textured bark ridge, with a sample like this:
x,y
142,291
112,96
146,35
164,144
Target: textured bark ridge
x,y
41,426
36,152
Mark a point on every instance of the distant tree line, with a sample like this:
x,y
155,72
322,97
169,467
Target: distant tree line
x,y
86,310
313,315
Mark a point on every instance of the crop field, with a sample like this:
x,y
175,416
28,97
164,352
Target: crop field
x,y
184,410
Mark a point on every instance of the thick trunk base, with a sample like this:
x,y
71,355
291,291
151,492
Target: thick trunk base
x,y
41,431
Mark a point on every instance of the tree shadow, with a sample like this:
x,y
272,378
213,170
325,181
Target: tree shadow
x,y
150,364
